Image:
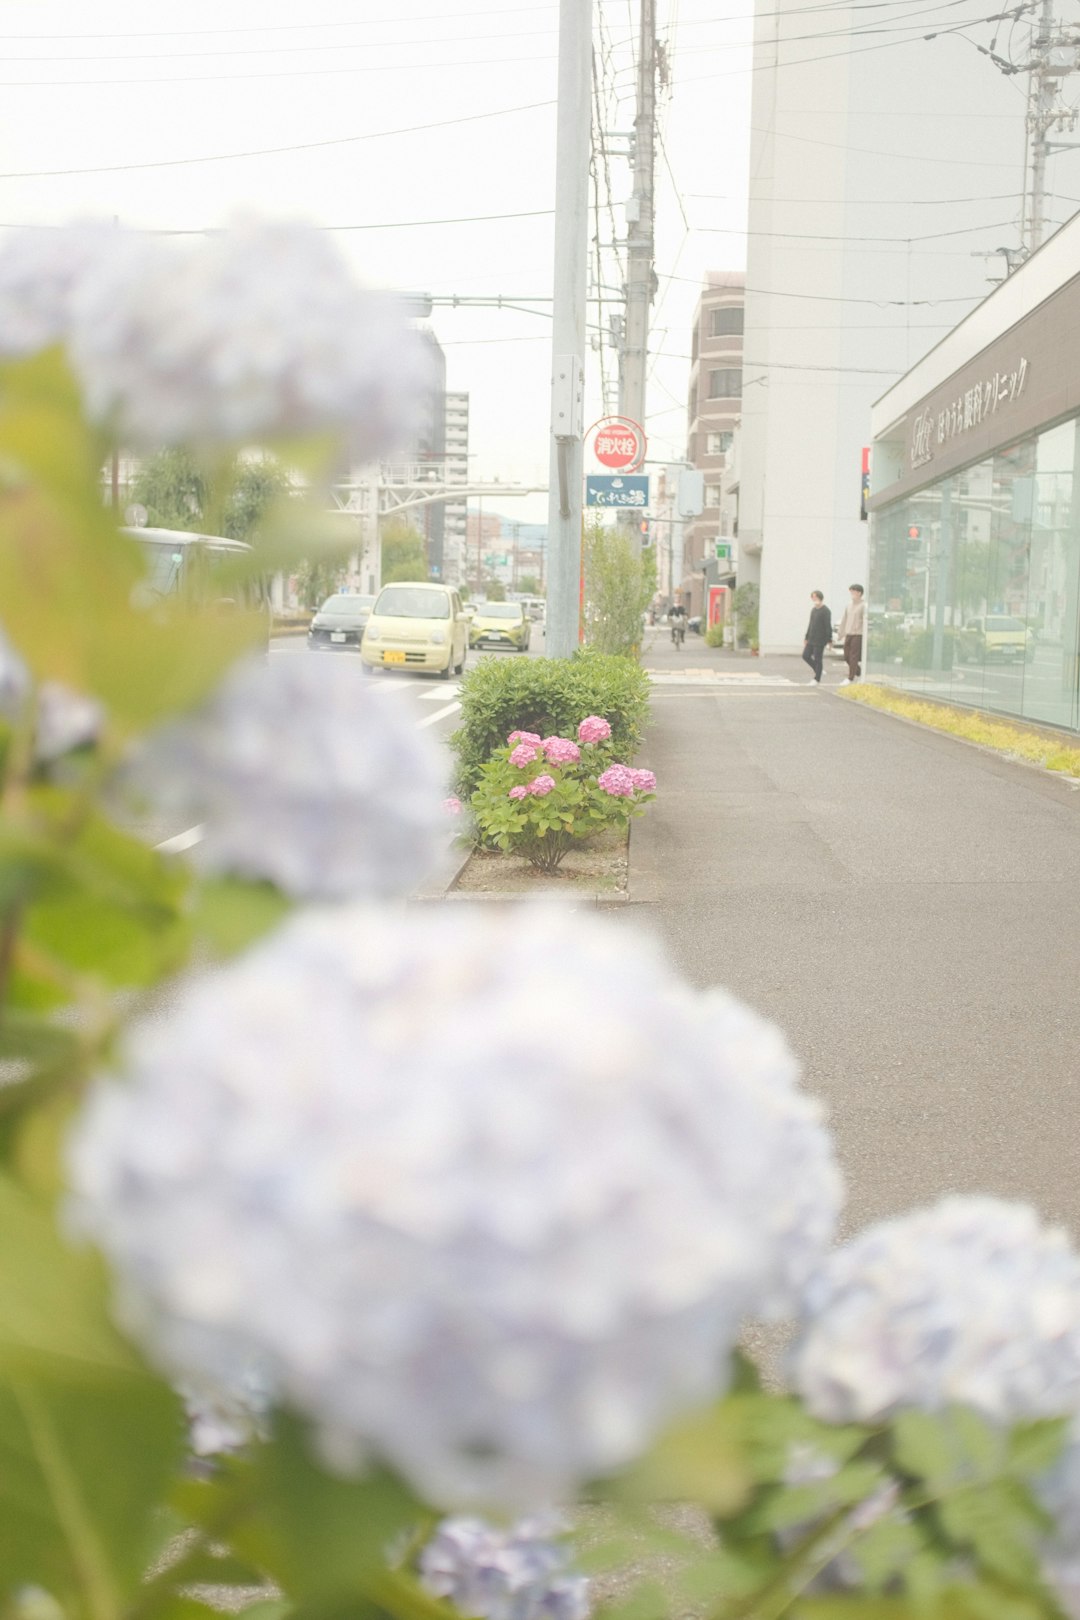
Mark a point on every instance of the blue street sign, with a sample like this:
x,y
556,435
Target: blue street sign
x,y
616,489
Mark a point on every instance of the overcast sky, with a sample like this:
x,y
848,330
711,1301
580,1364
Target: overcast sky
x,y
103,87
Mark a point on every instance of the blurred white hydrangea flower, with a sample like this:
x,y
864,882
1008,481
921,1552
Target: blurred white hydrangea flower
x,y
301,774
64,719
259,331
44,271
487,1195
971,1302
522,1573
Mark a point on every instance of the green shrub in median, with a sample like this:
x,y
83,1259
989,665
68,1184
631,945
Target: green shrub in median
x,y
547,696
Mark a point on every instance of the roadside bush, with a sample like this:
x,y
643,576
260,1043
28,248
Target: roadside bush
x,y
547,696
714,636
919,651
539,797
620,582
747,603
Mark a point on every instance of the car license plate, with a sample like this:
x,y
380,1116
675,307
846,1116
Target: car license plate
x,y
393,657
337,635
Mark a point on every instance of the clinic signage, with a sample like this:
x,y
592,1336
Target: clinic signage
x,y
1022,382
967,410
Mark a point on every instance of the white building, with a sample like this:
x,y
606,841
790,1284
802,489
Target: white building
x,y
457,472
879,166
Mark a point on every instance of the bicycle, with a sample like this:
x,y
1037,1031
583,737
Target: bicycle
x,y
678,632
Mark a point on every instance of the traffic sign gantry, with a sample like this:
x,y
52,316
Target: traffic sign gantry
x,y
618,443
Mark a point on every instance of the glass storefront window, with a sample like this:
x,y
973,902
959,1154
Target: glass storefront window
x,y
975,583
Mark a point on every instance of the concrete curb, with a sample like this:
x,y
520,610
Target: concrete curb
x,y
1000,754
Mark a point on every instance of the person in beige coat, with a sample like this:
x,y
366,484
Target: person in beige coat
x,y
851,632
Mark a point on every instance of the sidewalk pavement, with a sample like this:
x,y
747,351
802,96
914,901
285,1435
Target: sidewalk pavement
x,y
904,906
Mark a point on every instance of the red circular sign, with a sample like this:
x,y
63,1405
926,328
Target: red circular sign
x,y
618,443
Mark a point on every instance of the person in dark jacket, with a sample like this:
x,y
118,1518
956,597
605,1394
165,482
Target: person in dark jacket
x,y
818,635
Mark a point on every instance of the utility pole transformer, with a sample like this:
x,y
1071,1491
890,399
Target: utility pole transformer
x,y
640,245
573,144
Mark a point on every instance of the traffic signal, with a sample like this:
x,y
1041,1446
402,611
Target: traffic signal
x,y
646,536
914,532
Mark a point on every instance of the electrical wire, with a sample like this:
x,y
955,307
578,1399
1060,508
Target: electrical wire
x,y
274,151
832,298
411,66
291,50
275,28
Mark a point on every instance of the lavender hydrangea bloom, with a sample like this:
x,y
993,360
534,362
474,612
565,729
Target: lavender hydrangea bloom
x,y
971,1301
65,720
501,1264
301,774
259,332
518,1574
45,271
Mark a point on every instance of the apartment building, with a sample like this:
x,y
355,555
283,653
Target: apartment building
x,y
713,414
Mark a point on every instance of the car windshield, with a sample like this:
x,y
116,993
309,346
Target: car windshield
x,y
400,602
347,606
501,610
1004,624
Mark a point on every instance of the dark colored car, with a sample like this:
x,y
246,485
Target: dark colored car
x,y
340,623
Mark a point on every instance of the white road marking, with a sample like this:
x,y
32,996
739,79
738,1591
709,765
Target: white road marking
x,y
439,714
439,692
181,841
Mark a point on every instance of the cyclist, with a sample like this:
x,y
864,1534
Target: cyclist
x,y
677,619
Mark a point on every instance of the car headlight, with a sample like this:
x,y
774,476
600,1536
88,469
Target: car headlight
x,y
437,638
370,633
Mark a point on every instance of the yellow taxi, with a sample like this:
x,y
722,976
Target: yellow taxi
x,y
417,626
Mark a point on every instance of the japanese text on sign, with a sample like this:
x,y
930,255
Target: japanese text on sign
x,y
616,491
975,405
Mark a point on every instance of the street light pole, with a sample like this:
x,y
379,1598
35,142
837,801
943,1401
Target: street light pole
x,y
572,152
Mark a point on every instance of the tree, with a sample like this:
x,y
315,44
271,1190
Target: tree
x,y
529,585
404,554
256,486
619,585
316,580
494,590
178,493
173,488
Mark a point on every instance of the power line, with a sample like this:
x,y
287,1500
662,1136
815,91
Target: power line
x,y
279,50
869,151
277,28
801,236
274,151
832,298
411,66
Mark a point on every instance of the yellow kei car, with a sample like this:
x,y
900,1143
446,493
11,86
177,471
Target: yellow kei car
x,y
501,624
417,626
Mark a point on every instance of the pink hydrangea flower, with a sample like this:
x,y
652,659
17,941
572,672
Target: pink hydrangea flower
x,y
593,730
518,792
618,780
525,753
452,806
541,785
524,737
644,781
561,751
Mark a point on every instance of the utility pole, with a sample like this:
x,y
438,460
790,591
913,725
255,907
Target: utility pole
x,y
640,246
1042,99
572,154
1055,55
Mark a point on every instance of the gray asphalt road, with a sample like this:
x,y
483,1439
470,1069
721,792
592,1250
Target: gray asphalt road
x,y
907,908
435,705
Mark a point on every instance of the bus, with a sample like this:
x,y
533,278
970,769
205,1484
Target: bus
x,y
196,566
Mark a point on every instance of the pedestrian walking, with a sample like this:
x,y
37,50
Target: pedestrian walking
x,y
818,635
852,631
